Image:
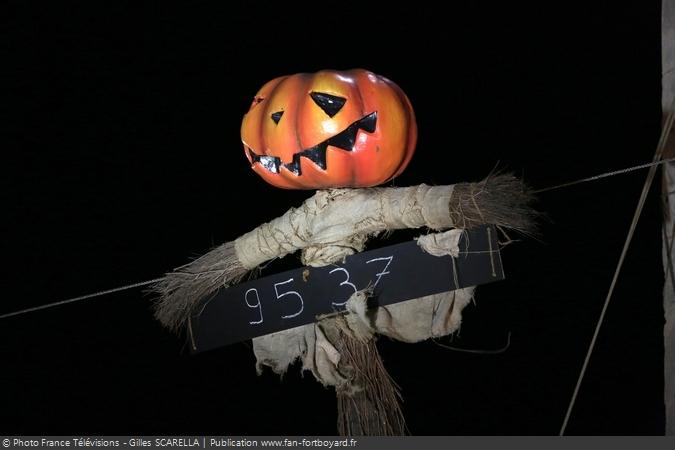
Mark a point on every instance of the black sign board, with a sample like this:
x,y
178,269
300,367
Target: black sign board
x,y
297,297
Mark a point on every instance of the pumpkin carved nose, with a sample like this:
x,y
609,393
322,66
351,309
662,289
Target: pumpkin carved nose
x,y
276,117
331,104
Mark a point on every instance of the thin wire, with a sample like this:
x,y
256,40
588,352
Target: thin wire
x,y
477,351
605,175
80,298
145,283
636,216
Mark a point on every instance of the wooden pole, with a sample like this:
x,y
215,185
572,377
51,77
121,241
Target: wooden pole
x,y
667,96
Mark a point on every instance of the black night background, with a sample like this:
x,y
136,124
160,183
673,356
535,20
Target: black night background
x,y
121,160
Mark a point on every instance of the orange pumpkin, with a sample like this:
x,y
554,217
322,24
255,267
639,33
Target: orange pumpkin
x,y
329,129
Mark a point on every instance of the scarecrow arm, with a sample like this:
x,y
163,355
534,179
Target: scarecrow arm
x,y
343,219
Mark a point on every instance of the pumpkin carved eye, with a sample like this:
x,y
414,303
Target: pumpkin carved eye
x,y
331,104
276,117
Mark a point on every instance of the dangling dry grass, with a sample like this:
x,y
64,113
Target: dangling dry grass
x,y
502,200
181,290
374,410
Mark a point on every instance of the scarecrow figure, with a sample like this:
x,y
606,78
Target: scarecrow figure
x,y
342,133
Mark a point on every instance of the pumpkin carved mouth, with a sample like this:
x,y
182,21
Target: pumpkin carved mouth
x,y
346,139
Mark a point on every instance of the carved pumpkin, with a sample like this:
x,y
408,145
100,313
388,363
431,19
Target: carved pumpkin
x,y
329,129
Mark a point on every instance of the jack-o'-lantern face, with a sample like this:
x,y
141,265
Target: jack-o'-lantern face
x,y
329,129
